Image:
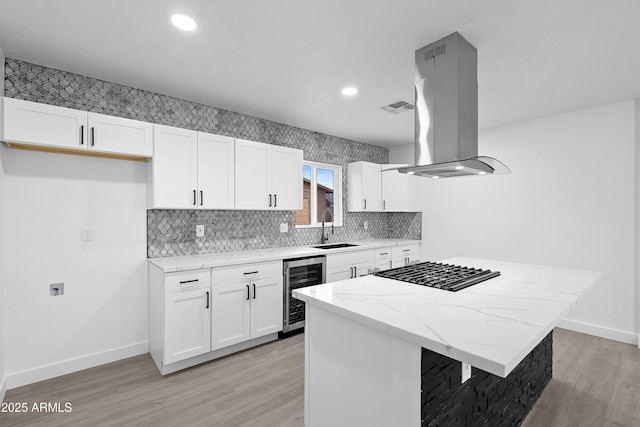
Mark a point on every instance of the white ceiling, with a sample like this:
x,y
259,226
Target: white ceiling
x,y
287,60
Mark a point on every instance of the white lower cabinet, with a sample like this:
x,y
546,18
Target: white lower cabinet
x,y
200,315
397,256
180,315
405,255
348,265
188,324
247,303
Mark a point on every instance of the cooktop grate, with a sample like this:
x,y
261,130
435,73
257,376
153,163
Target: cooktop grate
x,y
437,275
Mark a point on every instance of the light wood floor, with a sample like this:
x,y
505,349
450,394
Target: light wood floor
x,y
596,383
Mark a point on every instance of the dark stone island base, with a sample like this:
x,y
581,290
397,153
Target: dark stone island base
x,y
484,399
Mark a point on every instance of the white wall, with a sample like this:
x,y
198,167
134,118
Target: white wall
x,y
570,201
103,314
2,246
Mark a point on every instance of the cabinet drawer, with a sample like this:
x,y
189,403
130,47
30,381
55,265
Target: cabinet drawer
x,y
404,251
181,281
246,272
382,255
350,258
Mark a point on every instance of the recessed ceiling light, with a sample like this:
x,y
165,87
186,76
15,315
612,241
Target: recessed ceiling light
x,y
482,173
184,22
435,177
459,167
349,91
410,173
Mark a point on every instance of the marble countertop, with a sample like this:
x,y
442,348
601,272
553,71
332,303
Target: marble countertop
x,y
492,325
221,259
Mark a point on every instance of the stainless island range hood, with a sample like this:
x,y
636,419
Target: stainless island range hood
x,y
446,112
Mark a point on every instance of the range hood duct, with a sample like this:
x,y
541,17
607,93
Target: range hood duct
x,y
446,112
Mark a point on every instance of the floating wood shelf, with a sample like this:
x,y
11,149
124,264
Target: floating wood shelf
x,y
89,153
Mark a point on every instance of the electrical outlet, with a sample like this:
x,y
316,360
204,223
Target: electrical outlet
x,y
87,234
199,230
284,227
466,371
366,225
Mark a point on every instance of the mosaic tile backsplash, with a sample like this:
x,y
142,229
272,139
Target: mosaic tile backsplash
x,y
171,232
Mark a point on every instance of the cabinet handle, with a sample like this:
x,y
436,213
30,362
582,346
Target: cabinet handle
x,y
390,264
384,205
254,291
269,200
207,300
248,296
81,134
406,250
406,261
182,282
275,200
384,253
365,203
201,197
251,272
93,136
194,197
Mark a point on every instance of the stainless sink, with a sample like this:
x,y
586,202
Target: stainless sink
x,y
335,246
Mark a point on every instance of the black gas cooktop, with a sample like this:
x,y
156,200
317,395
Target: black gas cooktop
x,y
437,275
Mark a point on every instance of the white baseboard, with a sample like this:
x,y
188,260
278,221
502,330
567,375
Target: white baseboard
x,y
3,389
41,373
600,331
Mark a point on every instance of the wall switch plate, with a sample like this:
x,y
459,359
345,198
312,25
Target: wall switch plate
x,y
284,227
466,371
87,234
366,225
56,289
199,230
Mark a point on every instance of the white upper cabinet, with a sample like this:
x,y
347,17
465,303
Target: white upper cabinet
x,y
111,134
53,128
286,178
267,177
411,196
363,181
216,164
399,190
392,189
191,170
372,189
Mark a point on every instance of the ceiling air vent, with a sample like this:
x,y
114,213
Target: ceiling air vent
x,y
399,106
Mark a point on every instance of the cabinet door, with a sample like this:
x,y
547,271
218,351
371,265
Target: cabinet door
x,y
187,325
173,168
371,187
215,171
28,122
410,194
343,272
383,259
253,175
286,178
364,269
266,306
230,314
393,188
111,134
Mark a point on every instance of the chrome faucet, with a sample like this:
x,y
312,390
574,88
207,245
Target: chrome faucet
x,y
324,239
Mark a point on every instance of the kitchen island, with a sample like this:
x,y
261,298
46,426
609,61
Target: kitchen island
x,y
381,352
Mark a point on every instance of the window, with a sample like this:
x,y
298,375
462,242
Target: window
x,y
322,195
